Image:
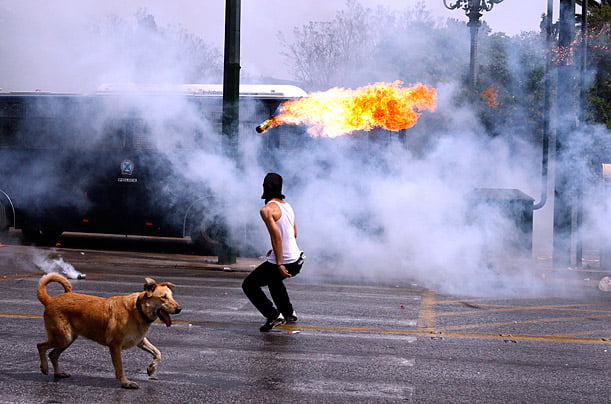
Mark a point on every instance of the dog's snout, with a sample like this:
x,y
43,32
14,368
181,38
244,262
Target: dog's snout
x,y
178,310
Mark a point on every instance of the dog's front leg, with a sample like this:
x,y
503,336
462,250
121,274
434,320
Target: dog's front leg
x,y
117,362
146,345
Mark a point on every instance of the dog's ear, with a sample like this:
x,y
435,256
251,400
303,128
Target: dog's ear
x,y
168,284
150,285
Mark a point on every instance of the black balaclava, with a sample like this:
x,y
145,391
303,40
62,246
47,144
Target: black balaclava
x,y
272,187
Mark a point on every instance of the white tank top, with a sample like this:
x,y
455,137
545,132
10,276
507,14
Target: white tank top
x,y
286,224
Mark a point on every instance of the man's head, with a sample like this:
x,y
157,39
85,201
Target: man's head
x,y
272,187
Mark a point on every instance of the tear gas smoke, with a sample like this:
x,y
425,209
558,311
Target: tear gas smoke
x,y
367,208
54,262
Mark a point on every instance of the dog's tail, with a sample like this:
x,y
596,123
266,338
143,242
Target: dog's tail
x,y
41,292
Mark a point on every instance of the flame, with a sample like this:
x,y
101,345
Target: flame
x,y
340,111
491,96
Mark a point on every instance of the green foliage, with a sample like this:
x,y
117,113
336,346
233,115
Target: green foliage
x,y
599,110
599,96
362,46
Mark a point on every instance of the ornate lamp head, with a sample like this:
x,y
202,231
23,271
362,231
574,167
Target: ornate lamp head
x,y
471,6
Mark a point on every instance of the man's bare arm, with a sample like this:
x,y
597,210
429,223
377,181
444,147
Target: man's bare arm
x,y
268,214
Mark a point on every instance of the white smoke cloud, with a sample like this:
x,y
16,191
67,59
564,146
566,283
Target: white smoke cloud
x,y
377,211
391,215
53,262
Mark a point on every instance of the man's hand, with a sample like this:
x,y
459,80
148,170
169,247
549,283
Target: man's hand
x,y
284,271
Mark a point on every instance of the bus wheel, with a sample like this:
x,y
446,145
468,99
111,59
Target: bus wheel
x,y
50,234
204,242
30,234
44,236
4,219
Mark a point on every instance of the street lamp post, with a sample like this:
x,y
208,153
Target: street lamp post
x,y
473,10
231,106
231,76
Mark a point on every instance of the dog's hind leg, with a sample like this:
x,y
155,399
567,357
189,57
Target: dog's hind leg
x,y
42,350
117,362
58,345
146,345
54,356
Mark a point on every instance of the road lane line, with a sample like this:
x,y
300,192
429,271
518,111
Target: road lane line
x,y
537,321
567,307
427,333
590,332
240,315
425,316
360,335
422,333
20,315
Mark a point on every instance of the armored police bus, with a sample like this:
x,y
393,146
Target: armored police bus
x,y
106,162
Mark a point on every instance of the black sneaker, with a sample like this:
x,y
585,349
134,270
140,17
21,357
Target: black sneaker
x,y
291,318
271,323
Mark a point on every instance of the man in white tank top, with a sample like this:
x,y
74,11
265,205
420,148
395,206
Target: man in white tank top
x,y
284,260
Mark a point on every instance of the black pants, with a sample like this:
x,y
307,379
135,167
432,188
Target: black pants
x,y
269,274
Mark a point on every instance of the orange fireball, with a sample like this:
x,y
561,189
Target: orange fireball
x,y
340,111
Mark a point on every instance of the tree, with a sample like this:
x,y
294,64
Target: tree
x,y
158,54
599,31
324,52
361,46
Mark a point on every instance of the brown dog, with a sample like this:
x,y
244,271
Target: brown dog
x,y
118,322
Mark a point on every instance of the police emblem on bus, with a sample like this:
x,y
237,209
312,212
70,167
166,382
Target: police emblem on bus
x,y
127,167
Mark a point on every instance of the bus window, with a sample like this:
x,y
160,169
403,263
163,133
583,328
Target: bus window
x,y
8,132
114,136
44,133
12,110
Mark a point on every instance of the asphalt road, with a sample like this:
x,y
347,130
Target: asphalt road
x,y
353,343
